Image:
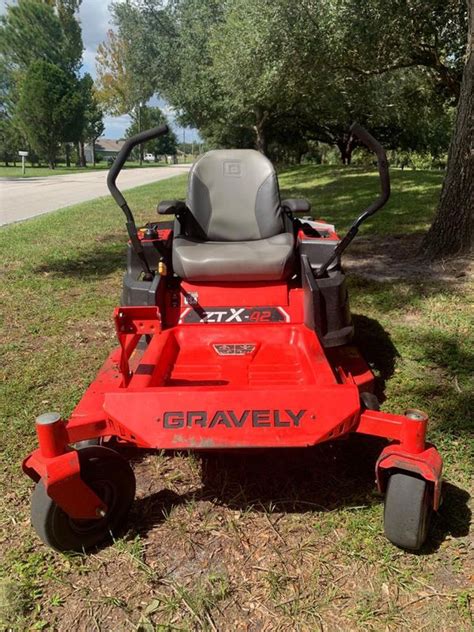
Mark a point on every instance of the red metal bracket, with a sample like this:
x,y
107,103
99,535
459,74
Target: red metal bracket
x,y
131,323
61,476
410,432
411,453
428,464
59,468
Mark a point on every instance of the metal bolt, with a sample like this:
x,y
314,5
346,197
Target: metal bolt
x,y
100,512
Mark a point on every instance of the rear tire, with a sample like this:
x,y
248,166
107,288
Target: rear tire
x,y
407,511
112,479
370,401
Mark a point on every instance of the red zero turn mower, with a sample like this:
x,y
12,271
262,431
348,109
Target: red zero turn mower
x,y
234,332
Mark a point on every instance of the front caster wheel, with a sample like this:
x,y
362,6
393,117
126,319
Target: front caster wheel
x,y
407,511
112,479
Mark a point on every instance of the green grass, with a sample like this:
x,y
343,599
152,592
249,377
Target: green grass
x,y
293,542
61,169
339,194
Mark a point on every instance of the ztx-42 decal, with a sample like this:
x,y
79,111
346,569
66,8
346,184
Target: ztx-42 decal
x,y
234,315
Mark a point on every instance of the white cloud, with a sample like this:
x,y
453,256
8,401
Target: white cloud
x,y
96,20
115,126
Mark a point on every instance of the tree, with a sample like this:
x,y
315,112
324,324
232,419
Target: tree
x,y
93,118
376,37
29,31
119,90
72,45
11,140
270,75
152,117
452,228
41,30
49,109
166,48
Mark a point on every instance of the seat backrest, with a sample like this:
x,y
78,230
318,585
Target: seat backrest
x,y
233,196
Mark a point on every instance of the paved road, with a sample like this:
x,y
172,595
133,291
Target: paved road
x,y
22,198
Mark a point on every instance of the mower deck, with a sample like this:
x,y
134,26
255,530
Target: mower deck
x,y
268,385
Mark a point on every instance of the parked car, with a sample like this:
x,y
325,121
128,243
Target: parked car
x,y
149,158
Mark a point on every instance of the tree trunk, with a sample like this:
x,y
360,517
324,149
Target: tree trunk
x,y
261,142
451,231
260,136
82,155
346,151
93,150
68,154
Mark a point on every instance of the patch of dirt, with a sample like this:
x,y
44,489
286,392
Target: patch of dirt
x,y
393,257
285,540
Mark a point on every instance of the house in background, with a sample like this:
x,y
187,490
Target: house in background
x,y
105,147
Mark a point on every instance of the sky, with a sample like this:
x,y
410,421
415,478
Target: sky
x,y
95,19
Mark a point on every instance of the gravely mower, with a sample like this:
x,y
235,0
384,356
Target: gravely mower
x,y
234,332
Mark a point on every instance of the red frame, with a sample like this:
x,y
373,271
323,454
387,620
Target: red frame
x,y
284,390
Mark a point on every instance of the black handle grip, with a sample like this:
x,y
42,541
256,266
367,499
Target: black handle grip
x,y
124,153
363,135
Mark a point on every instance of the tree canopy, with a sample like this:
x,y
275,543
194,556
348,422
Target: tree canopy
x,y
49,108
278,75
46,31
281,73
33,30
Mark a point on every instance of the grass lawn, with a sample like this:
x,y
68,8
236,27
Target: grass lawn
x,y
292,541
36,172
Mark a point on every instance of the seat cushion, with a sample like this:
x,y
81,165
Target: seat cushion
x,y
268,259
233,196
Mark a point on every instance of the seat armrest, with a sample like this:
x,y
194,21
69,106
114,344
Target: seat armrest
x,y
296,206
171,207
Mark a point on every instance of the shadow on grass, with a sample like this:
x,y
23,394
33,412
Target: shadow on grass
x,y
107,256
451,365
453,518
296,480
401,294
377,347
313,480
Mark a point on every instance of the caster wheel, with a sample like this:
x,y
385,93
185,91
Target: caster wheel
x,y
407,511
112,478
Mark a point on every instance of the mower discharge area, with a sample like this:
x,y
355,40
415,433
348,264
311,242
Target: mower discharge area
x,y
211,359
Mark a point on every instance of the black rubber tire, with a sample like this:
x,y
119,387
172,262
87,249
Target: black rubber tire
x,y
370,401
112,478
407,511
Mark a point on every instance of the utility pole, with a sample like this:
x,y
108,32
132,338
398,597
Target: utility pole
x,y
140,105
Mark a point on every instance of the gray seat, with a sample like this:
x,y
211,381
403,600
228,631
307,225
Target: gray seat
x,y
234,229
